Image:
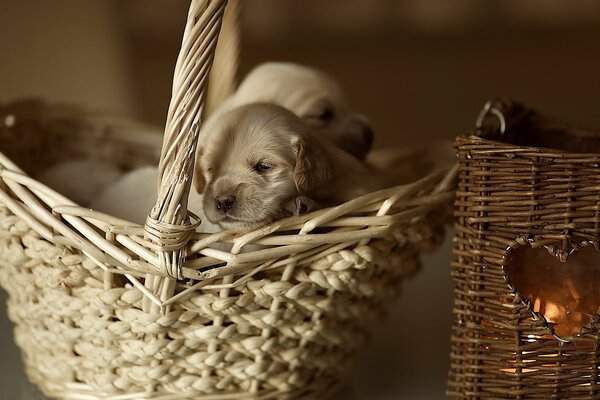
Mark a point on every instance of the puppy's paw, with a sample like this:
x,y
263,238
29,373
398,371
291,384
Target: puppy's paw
x,y
304,205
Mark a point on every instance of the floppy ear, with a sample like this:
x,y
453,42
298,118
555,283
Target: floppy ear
x,y
199,181
314,166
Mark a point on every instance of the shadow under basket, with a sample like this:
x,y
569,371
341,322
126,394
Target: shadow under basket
x,y
527,263
280,322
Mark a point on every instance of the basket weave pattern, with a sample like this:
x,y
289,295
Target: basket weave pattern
x,y
511,196
80,336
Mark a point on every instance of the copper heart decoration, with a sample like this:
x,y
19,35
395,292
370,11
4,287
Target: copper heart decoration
x,y
565,293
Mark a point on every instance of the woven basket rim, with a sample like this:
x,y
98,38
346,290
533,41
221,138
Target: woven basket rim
x,y
474,138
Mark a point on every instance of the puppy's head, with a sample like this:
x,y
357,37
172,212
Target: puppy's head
x,y
252,161
311,95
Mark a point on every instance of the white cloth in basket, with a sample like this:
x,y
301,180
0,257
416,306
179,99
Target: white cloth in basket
x,y
80,180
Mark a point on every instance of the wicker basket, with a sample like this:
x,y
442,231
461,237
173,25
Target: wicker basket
x,y
106,309
525,215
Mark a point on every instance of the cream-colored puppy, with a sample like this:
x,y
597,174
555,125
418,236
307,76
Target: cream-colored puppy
x,y
255,160
313,96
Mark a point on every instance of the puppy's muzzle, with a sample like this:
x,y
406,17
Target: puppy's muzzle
x,y
224,202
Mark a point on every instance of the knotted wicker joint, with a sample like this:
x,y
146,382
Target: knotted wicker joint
x,y
172,240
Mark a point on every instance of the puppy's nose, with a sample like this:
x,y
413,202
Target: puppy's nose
x,y
368,134
365,129
224,202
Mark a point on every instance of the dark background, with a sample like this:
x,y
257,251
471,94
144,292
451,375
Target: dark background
x,y
420,69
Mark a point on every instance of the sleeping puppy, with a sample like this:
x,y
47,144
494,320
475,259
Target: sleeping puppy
x,y
311,95
255,160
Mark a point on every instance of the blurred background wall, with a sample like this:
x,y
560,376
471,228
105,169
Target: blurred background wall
x,y
420,69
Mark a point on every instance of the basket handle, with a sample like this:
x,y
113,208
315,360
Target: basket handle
x,y
222,81
168,224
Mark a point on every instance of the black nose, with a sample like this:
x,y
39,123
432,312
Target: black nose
x,y
368,134
224,202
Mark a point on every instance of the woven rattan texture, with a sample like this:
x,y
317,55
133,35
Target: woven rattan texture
x,y
510,196
295,310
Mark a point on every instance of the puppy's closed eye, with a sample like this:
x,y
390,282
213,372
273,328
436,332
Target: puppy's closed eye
x,y
261,167
323,116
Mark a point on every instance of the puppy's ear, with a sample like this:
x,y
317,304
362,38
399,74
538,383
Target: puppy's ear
x,y
199,181
314,166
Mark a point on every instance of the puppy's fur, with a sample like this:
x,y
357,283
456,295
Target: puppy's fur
x,y
255,160
313,96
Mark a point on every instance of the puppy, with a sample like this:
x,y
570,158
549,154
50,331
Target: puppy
x,y
311,95
255,160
